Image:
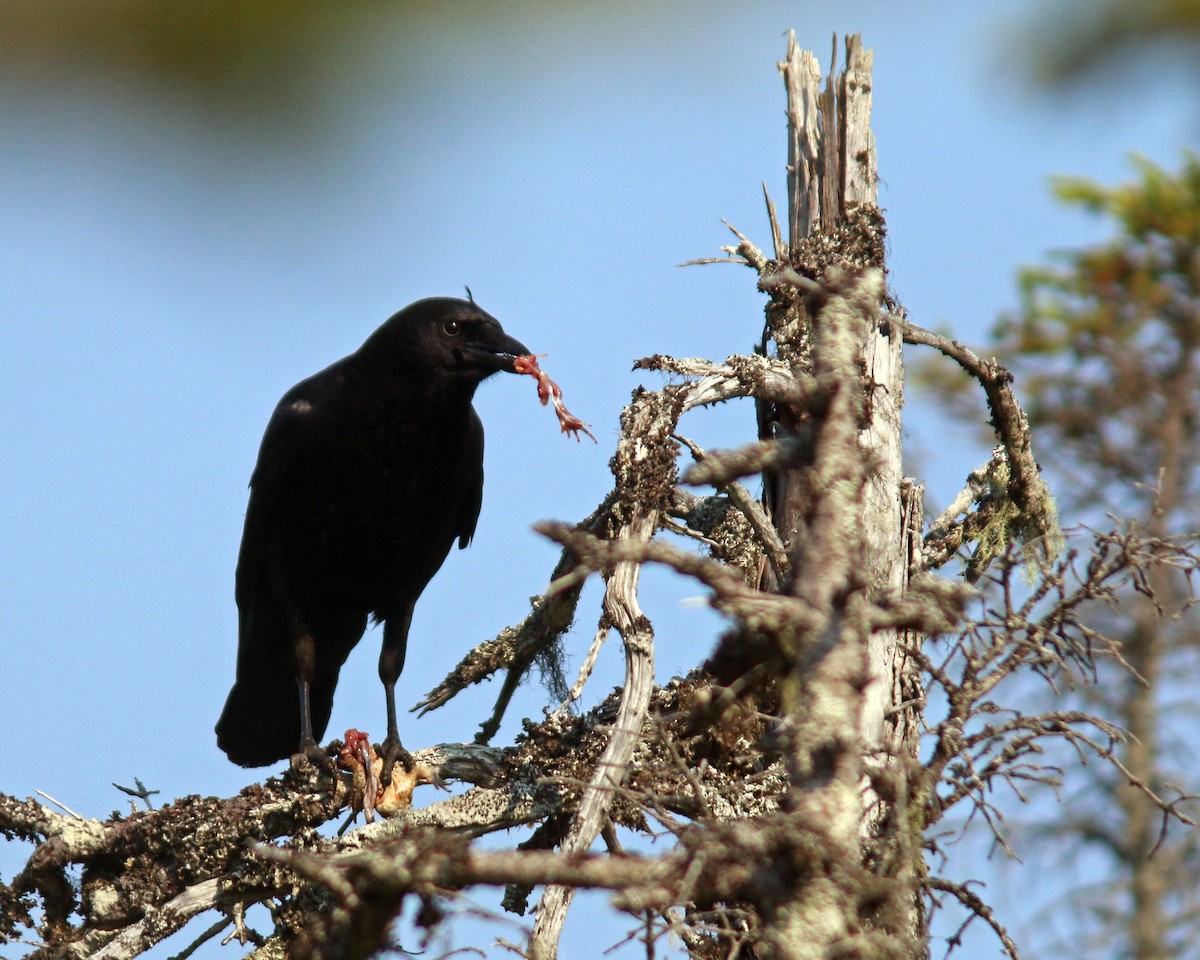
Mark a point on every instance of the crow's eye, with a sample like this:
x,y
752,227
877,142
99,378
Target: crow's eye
x,y
450,328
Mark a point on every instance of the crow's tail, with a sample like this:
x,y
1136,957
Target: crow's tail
x,y
261,720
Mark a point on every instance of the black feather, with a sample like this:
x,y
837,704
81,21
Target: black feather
x,y
368,473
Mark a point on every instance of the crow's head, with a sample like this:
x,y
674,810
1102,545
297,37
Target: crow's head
x,y
444,335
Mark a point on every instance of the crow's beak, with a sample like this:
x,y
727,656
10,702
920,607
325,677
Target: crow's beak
x,y
499,353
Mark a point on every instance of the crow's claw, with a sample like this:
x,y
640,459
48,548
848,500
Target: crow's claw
x,y
322,759
392,751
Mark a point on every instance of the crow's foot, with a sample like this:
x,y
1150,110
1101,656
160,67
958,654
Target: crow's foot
x,y
392,751
311,752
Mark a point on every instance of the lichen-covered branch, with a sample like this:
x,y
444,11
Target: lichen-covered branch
x,y
517,648
1013,500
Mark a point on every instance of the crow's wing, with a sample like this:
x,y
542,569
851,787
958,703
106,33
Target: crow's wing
x,y
261,719
473,461
295,427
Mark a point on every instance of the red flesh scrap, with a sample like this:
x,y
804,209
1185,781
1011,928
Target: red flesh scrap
x,y
357,745
358,748
549,391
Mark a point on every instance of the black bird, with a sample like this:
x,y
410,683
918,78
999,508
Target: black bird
x,y
368,472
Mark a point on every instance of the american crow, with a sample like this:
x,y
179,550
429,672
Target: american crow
x,y
368,472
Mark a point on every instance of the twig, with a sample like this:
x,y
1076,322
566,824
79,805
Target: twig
x,y
589,663
977,908
1025,486
141,792
752,510
207,935
60,805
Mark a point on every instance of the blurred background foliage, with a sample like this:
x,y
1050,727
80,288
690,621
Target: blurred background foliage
x,y
1071,41
265,68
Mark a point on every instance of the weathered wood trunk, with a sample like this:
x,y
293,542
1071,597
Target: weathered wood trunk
x,y
840,862
850,522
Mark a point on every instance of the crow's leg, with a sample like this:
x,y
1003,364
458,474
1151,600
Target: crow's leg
x,y
306,667
391,662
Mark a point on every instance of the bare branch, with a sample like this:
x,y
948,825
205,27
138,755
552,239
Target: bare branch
x,y
1036,519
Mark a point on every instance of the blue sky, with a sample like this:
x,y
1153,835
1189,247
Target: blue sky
x,y
164,280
